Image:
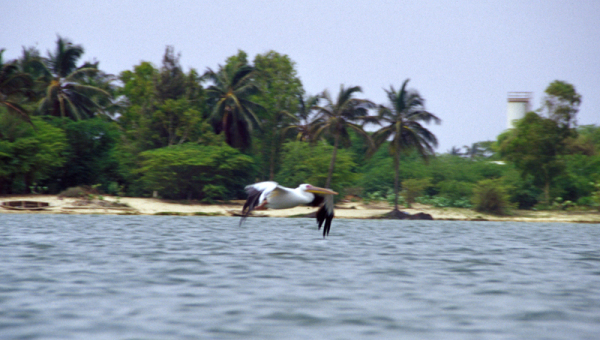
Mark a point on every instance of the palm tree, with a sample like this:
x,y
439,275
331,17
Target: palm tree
x,y
67,95
454,151
335,118
14,86
233,112
403,119
302,121
473,151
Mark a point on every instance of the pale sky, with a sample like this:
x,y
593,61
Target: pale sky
x,y
462,56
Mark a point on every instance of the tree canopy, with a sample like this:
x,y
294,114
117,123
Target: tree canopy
x,y
534,147
230,96
67,94
562,103
64,122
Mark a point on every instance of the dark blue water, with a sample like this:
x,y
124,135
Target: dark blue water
x,y
160,277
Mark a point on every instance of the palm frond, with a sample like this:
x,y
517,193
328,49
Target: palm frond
x,y
403,119
64,59
16,109
80,72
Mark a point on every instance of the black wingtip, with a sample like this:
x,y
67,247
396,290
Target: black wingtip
x,y
250,204
324,219
327,225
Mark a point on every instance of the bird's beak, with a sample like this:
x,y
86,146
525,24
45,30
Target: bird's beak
x,y
322,191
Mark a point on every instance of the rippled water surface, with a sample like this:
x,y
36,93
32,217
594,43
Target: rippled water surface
x,y
161,277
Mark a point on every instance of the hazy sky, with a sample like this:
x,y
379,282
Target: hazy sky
x,y
462,56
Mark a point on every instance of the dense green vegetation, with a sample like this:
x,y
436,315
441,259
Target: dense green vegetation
x,y
205,135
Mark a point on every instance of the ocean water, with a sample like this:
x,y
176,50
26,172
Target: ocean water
x,y
173,277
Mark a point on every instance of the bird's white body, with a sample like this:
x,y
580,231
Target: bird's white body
x,y
280,197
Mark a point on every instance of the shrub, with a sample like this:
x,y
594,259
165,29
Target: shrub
x,y
194,171
413,188
436,201
444,202
492,197
586,201
462,203
455,190
373,196
378,196
390,198
559,204
115,189
73,192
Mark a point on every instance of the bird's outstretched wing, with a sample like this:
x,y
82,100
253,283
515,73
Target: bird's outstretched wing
x,y
325,214
257,193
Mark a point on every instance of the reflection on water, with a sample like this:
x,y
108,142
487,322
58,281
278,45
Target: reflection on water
x,y
158,277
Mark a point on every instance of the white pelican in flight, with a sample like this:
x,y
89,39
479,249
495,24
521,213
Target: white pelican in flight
x,y
271,195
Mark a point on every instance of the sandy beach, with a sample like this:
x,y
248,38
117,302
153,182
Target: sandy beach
x,y
358,210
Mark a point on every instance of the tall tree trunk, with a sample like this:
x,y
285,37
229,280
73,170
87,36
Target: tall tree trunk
x,y
396,178
333,156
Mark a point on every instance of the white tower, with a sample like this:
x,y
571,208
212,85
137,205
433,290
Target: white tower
x,y
518,106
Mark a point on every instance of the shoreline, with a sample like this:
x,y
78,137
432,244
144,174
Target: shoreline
x,y
351,210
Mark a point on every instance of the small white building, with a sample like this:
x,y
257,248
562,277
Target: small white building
x,y
519,103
